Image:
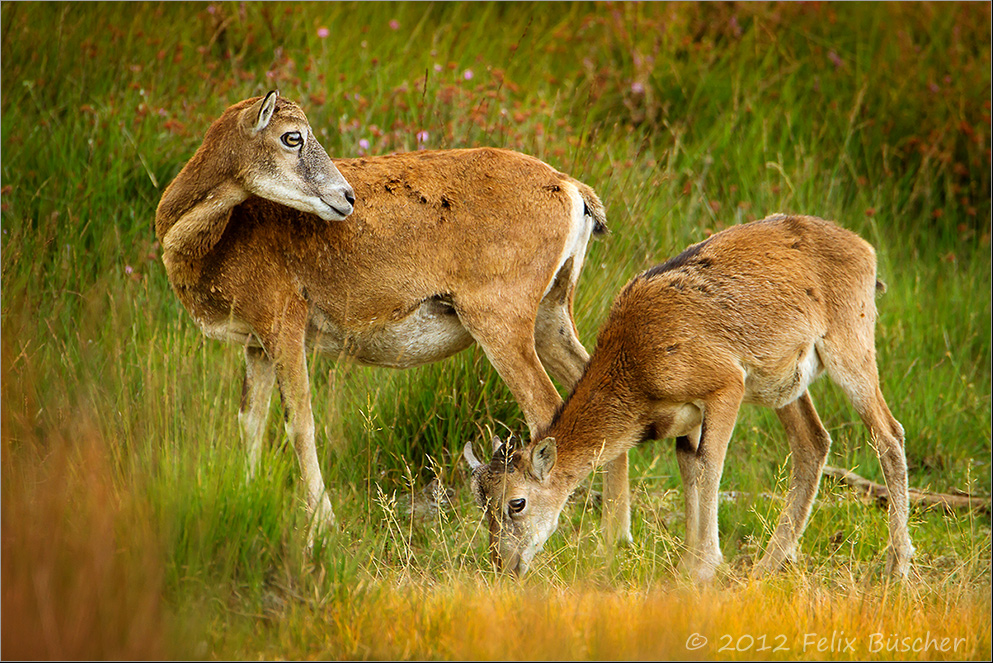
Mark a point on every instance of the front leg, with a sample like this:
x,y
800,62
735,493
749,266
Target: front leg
x,y
719,415
689,471
616,523
256,392
290,361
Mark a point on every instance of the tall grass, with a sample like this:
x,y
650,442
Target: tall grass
x,y
128,527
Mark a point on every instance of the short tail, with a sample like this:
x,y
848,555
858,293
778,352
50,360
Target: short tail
x,y
594,208
880,287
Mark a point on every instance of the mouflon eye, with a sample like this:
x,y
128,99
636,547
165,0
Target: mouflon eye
x,y
292,139
517,505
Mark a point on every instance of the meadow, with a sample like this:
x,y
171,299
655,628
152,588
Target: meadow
x,y
128,530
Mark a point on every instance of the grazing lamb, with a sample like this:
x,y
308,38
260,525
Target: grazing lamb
x,y
754,314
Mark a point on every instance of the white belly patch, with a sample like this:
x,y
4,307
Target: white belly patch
x,y
778,388
430,333
231,330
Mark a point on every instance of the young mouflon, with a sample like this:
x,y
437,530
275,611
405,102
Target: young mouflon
x,y
754,314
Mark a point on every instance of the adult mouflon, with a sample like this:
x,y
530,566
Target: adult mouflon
x,y
395,260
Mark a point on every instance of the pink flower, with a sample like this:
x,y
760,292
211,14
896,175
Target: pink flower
x,y
128,269
323,32
394,24
422,137
364,144
468,74
735,26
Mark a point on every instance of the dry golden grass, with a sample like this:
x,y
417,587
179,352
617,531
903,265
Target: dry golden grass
x,y
82,569
73,587
465,619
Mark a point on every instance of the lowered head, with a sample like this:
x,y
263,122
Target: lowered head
x,y
520,498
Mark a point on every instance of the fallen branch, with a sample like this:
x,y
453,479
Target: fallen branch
x,y
880,493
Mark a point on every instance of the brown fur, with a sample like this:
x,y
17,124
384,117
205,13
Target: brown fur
x,y
443,249
752,314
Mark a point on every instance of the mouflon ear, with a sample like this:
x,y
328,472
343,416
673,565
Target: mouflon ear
x,y
543,458
263,111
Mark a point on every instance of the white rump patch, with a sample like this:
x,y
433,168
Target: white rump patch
x,y
579,237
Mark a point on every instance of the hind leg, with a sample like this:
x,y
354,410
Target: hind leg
x,y
555,337
853,368
888,439
509,345
809,445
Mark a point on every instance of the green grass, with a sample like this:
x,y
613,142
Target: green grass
x,y
128,527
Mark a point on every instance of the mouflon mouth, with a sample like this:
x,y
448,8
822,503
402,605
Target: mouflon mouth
x,y
515,565
336,212
520,568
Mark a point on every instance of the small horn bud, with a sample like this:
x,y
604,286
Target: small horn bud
x,y
470,457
